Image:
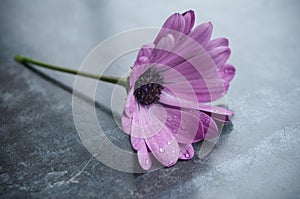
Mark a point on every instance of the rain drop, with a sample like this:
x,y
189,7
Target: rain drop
x,y
228,70
161,150
207,121
183,128
187,155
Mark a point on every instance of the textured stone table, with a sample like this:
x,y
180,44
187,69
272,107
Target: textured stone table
x,y
41,156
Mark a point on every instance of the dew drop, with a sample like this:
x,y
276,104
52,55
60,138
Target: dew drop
x,y
183,128
228,70
169,143
169,119
173,123
187,155
207,121
161,150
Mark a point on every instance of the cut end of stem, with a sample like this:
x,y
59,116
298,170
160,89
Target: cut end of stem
x,y
18,58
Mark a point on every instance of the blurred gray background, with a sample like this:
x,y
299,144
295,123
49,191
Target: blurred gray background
x,y
41,156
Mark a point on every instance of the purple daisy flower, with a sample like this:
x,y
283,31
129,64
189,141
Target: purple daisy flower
x,y
171,85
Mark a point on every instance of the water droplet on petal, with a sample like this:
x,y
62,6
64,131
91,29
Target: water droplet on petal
x,y
183,129
228,70
207,121
187,155
161,150
169,143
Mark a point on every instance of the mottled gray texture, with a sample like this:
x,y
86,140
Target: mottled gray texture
x,y
257,155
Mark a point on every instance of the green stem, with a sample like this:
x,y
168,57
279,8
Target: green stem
x,y
113,80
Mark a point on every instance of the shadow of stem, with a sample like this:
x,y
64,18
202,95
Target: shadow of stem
x,y
68,89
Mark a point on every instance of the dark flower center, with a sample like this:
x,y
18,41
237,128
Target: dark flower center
x,y
147,88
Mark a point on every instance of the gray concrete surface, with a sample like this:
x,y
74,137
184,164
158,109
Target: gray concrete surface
x,y
41,156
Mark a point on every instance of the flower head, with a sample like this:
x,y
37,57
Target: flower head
x,y
171,83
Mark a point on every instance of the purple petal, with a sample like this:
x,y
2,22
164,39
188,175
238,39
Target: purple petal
x,y
217,43
185,51
186,151
209,125
173,100
202,33
144,54
220,55
141,60
166,43
195,90
163,46
146,50
126,123
210,128
189,17
164,147
130,105
175,22
137,143
145,160
144,157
